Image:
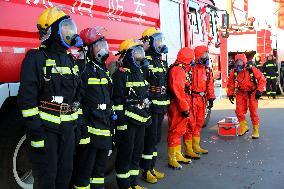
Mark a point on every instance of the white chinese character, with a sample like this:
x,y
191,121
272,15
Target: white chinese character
x,y
84,6
47,4
139,11
115,9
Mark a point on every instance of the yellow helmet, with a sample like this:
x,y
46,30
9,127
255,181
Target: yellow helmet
x,y
128,43
150,31
49,16
257,55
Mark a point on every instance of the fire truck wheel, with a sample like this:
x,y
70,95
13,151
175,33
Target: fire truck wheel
x,y
15,168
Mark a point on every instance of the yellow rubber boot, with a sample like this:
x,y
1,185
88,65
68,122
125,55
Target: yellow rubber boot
x,y
138,187
157,174
189,153
148,177
196,146
244,127
180,157
255,134
172,161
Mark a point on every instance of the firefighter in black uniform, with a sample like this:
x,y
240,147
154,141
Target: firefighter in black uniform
x,y
270,71
48,98
130,104
156,76
96,121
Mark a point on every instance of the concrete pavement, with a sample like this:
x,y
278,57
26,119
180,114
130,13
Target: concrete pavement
x,y
232,162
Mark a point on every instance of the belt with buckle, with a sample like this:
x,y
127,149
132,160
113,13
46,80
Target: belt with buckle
x,y
62,108
158,89
102,106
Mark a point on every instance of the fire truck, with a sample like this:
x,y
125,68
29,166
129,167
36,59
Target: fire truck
x,y
183,22
250,32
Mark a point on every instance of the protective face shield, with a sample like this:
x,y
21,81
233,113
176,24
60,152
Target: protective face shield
x,y
68,33
101,50
158,43
239,65
204,59
138,56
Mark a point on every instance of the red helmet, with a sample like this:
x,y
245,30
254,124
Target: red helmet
x,y
91,35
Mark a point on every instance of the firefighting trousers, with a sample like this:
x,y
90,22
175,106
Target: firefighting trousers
x,y
52,165
177,125
129,143
89,167
244,101
197,118
271,87
152,138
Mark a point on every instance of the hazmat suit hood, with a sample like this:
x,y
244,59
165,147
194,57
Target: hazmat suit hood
x,y
185,56
199,52
241,57
240,62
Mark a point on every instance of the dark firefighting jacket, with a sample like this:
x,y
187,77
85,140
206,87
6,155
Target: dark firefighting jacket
x,y
156,75
96,94
49,80
130,93
258,64
270,70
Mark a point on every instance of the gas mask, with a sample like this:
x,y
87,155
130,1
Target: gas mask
x,y
101,50
204,59
138,56
158,44
192,63
239,65
68,34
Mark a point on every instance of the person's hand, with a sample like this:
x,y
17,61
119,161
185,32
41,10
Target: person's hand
x,y
185,114
210,103
258,95
231,99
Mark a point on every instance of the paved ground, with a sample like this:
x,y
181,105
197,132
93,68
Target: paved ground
x,y
232,162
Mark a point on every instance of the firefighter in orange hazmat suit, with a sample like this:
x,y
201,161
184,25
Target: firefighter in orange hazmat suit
x,y
249,83
202,92
179,110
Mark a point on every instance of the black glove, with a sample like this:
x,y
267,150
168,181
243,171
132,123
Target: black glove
x,y
258,95
210,103
231,99
185,114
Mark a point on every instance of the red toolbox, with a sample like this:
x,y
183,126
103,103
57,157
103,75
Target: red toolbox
x,y
229,127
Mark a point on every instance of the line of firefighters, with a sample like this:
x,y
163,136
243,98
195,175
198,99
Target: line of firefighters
x,y
68,103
